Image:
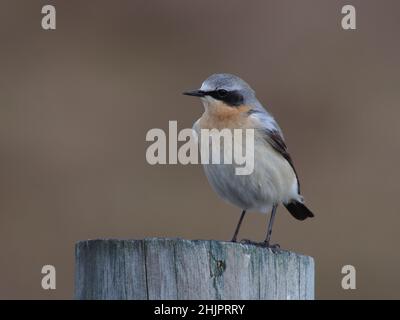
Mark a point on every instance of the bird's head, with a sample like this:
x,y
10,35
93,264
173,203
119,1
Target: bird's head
x,y
224,88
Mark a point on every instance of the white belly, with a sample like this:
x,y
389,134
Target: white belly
x,y
273,180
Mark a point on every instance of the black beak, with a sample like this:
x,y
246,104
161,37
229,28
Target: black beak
x,y
195,93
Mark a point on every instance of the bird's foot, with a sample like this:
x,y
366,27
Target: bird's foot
x,y
247,241
263,244
273,247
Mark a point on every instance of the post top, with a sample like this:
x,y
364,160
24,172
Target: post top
x,y
164,268
193,242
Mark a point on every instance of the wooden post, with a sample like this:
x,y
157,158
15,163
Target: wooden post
x,y
183,269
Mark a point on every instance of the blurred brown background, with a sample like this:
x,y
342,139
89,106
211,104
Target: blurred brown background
x,y
76,103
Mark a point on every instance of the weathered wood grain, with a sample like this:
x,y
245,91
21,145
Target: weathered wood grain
x,y
183,269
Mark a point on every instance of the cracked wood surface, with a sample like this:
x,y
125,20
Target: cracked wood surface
x,y
189,269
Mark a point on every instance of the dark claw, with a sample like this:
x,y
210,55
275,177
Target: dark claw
x,y
261,244
272,246
247,241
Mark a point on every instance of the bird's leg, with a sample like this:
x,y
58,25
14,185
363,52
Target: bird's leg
x,y
269,231
266,242
238,226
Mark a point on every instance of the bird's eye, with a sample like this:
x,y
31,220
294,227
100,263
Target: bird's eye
x,y
222,93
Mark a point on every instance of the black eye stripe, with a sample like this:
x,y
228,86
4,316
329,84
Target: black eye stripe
x,y
222,93
231,98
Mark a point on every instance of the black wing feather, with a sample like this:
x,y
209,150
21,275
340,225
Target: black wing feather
x,y
275,139
296,208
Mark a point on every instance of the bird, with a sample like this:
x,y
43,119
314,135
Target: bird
x,y
230,103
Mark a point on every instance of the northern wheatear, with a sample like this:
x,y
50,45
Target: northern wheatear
x,y
230,102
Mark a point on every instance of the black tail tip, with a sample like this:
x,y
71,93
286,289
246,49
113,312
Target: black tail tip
x,y
299,210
